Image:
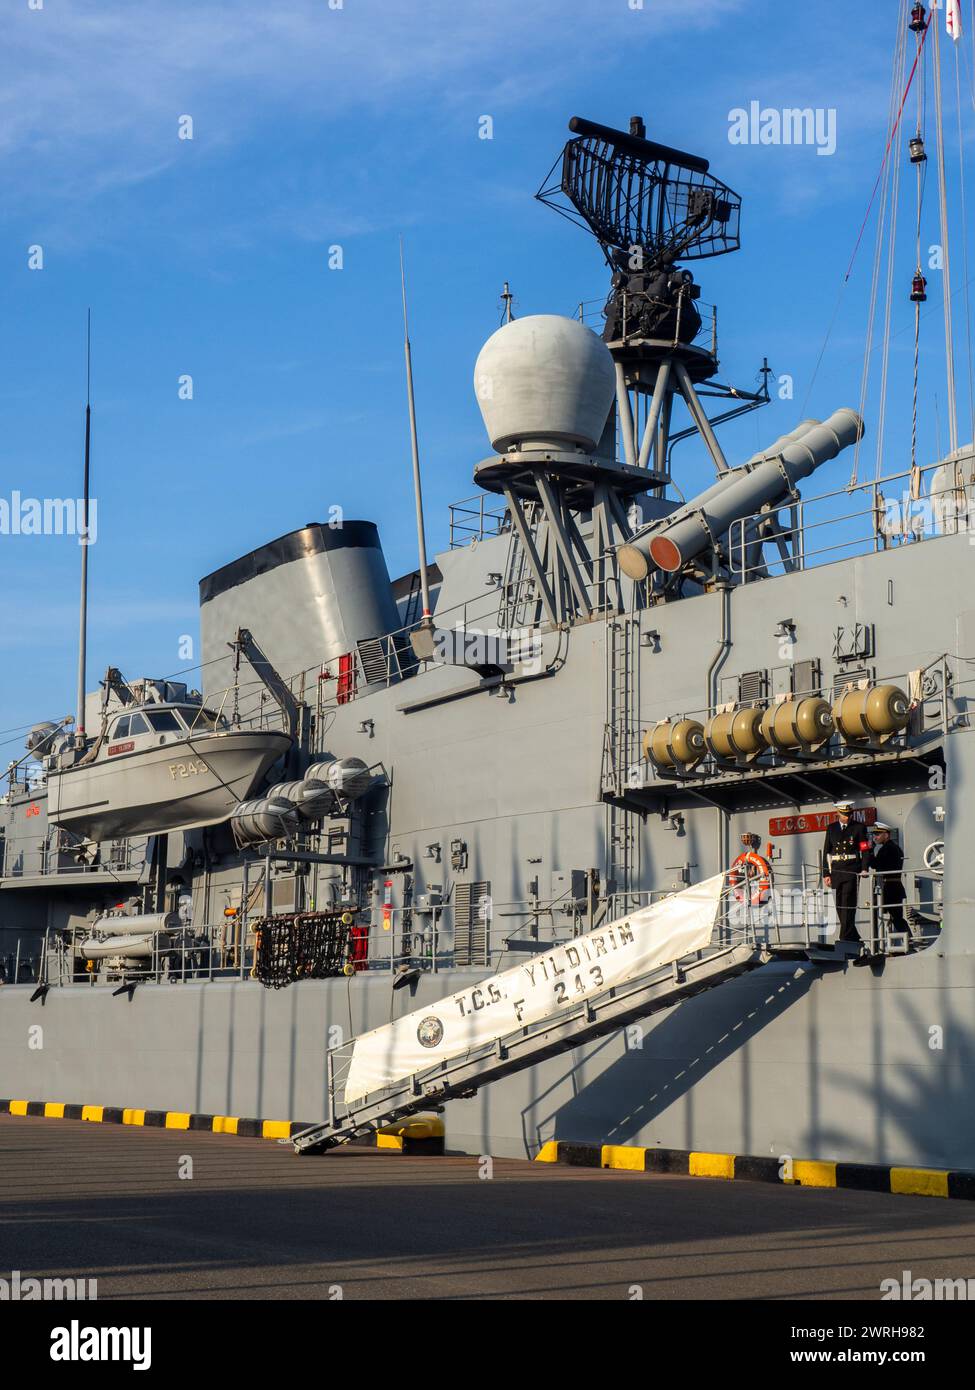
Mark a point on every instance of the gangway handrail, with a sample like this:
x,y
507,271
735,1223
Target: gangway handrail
x,y
570,1027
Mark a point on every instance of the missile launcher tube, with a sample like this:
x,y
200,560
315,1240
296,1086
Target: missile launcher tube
x,y
634,557
747,491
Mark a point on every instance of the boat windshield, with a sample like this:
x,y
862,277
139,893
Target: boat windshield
x,y
164,721
167,721
196,717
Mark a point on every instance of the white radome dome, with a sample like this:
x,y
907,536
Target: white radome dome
x,y
544,381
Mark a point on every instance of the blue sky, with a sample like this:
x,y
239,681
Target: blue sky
x,y
315,126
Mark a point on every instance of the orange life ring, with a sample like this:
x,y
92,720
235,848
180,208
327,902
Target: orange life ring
x,y
753,870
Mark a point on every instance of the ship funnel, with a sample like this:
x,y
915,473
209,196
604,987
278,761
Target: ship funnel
x,y
324,589
763,480
543,382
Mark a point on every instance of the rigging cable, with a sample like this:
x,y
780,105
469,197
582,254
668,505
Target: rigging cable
x,y
946,277
921,166
849,269
891,261
883,176
893,132
964,239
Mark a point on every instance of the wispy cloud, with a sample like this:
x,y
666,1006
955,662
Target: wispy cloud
x,y
94,89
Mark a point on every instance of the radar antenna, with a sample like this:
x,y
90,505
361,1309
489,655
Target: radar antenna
x,y
633,193
648,206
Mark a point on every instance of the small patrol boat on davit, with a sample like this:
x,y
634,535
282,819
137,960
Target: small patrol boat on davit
x,y
165,762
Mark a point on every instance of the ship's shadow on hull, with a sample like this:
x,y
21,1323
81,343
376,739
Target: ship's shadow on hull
x,y
663,1061
875,1070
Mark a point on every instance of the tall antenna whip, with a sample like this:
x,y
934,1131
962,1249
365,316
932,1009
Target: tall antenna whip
x,y
427,619
83,615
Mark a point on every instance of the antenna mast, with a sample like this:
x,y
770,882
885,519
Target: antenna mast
x,y
83,615
427,620
507,299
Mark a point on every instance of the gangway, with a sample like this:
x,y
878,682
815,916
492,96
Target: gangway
x,y
568,1027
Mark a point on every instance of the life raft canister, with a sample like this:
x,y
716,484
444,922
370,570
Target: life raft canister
x,y
753,871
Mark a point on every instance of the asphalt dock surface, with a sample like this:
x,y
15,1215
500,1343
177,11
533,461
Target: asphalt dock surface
x,y
253,1220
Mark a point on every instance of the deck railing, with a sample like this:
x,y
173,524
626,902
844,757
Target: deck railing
x,y
796,913
861,518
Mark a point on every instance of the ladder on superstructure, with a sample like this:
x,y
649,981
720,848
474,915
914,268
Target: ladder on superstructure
x,y
621,755
519,602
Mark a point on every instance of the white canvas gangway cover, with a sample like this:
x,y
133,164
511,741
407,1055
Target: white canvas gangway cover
x,y
548,982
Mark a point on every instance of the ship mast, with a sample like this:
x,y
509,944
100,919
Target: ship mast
x,y
427,620
83,613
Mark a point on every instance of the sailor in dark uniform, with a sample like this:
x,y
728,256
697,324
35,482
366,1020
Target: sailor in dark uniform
x,y
887,861
846,859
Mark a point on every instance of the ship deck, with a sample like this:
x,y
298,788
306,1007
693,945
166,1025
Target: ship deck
x,y
256,1222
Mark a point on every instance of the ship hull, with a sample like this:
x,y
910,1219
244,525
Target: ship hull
x,y
787,1062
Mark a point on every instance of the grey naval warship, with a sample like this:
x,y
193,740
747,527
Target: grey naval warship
x,y
532,837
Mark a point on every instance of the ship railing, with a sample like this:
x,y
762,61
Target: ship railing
x,y
20,965
21,859
390,658
521,602
476,519
797,912
406,938
894,510
485,933
381,661
245,705
591,312
188,956
20,775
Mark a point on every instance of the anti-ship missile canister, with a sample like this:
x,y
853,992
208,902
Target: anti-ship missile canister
x,y
739,493
749,490
634,556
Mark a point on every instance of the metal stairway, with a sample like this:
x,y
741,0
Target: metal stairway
x,y
560,1031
